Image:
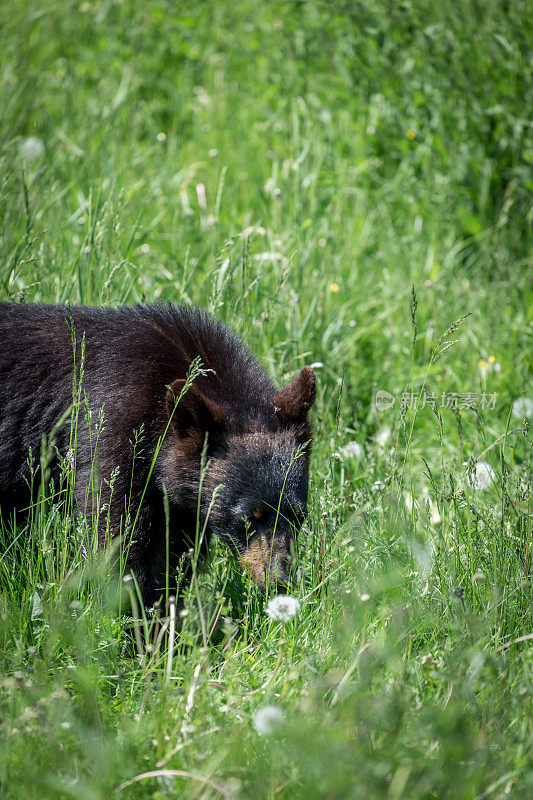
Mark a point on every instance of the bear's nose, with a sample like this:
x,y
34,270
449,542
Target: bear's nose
x,y
269,562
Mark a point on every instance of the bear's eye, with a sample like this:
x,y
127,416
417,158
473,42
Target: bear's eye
x,y
258,513
251,515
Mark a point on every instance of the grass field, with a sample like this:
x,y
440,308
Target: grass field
x,y
347,184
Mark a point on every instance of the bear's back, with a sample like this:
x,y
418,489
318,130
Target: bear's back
x,y
127,357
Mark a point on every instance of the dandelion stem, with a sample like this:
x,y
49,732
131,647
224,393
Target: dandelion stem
x,y
171,635
269,680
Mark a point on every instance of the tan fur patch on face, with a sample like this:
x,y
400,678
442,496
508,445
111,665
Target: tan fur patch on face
x,y
256,560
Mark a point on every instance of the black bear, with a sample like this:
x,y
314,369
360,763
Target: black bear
x,y
133,363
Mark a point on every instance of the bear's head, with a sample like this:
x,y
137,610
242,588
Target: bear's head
x,y
254,491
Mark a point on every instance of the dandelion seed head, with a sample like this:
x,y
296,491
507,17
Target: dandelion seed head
x,y
383,436
31,149
522,407
282,608
352,450
268,719
271,188
435,517
482,476
232,787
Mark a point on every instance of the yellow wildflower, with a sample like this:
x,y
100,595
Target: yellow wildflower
x,y
334,287
411,133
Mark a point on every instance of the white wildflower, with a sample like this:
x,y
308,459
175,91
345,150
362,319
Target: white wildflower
x,y
64,725
352,450
282,608
232,787
435,517
31,148
268,719
431,506
383,436
490,365
523,407
364,597
270,188
483,476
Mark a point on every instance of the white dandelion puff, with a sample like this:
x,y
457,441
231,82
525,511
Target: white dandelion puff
x,y
435,517
523,407
268,719
282,608
431,506
352,450
482,477
383,436
31,148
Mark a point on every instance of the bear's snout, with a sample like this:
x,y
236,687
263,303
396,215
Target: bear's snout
x,y
268,561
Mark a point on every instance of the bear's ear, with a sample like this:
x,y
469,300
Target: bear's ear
x,y
294,401
193,414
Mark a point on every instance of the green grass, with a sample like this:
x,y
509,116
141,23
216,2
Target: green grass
x,y
252,158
